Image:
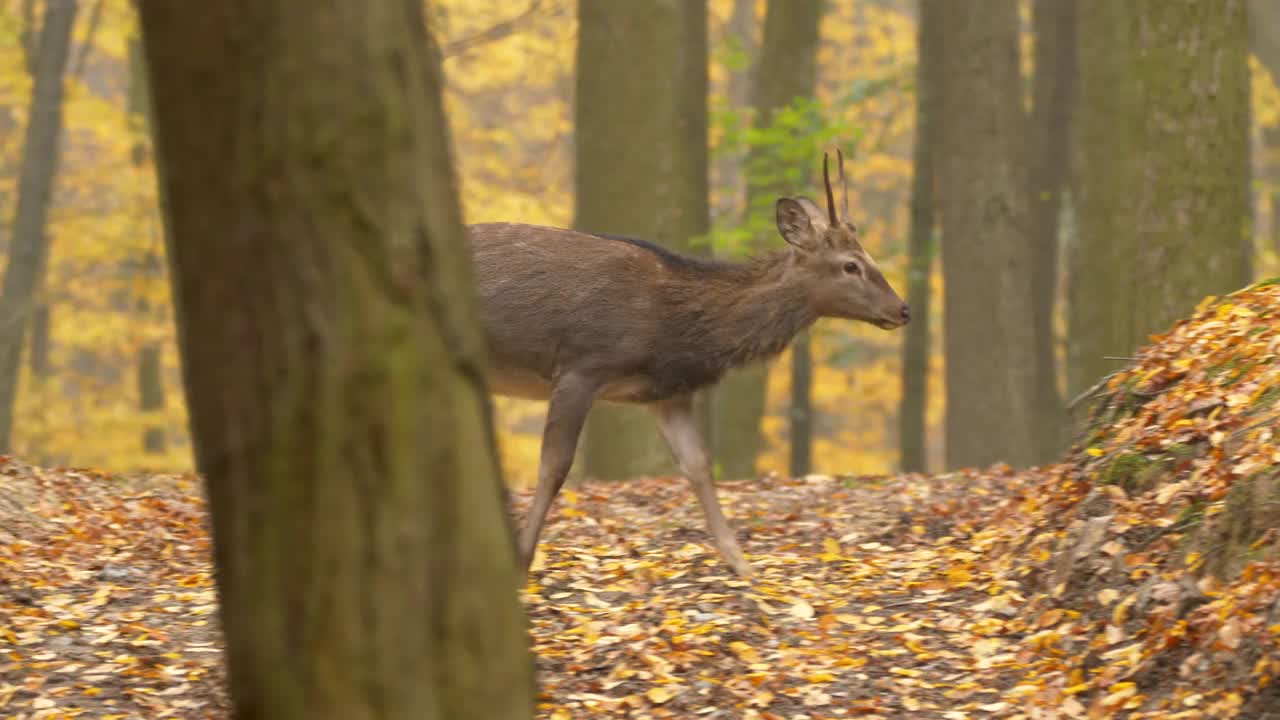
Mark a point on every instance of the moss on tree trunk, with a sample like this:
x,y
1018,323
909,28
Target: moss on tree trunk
x,y
1163,153
332,363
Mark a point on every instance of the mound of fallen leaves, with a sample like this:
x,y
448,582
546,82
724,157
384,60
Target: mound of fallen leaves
x,y
1143,571
1136,579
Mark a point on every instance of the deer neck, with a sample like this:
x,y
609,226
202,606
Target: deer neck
x,y
757,308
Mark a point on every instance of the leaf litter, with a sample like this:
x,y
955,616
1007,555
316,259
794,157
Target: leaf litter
x,y
1137,578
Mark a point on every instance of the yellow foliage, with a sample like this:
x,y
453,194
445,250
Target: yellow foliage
x,y
509,104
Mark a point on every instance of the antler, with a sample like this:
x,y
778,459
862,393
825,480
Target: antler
x,y
831,199
844,186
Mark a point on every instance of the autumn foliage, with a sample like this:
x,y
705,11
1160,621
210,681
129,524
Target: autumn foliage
x,y
1138,578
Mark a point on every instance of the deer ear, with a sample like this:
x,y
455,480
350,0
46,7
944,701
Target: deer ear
x,y
801,222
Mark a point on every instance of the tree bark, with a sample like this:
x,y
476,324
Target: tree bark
x,y
150,360
641,153
787,70
801,411
1163,153
915,347
987,256
333,366
1053,87
729,168
28,252
1264,40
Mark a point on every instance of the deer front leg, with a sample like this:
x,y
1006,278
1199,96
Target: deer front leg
x,y
571,398
679,428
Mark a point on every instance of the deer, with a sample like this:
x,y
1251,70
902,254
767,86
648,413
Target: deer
x,y
574,318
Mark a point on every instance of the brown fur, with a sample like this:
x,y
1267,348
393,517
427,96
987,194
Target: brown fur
x,y
574,317
620,309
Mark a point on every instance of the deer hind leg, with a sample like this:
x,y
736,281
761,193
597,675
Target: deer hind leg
x,y
680,429
571,398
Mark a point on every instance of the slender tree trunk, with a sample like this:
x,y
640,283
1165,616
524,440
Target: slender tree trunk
x,y
1264,41
150,360
1054,22
915,347
801,410
787,70
333,366
641,145
1163,151
28,252
987,256
729,169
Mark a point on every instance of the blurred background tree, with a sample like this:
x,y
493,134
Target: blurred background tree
x,y
85,392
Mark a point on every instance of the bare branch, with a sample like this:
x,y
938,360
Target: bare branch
x,y
492,33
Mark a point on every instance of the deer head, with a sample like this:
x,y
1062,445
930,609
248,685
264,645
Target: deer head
x,y
840,277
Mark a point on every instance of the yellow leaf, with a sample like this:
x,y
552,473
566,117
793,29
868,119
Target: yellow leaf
x,y
745,652
1095,452
1120,692
659,694
959,576
820,677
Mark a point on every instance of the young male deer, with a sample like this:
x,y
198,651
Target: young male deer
x,y
574,317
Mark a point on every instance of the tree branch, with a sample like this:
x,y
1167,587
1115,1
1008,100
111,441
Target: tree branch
x,y
492,33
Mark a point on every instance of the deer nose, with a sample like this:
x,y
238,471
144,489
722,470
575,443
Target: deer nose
x,y
906,313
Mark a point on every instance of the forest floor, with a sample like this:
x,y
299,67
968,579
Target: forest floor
x,y
1138,578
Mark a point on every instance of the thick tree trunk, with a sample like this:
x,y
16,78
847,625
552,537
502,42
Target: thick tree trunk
x,y
1163,153
987,255
333,366
787,70
915,347
641,146
1053,85
28,251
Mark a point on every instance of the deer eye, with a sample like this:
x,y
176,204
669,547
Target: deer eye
x,y
853,268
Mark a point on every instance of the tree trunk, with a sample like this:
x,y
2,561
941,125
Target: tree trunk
x,y
28,251
801,406
787,70
1264,40
915,347
150,359
1163,152
987,256
333,366
729,168
1053,86
641,153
